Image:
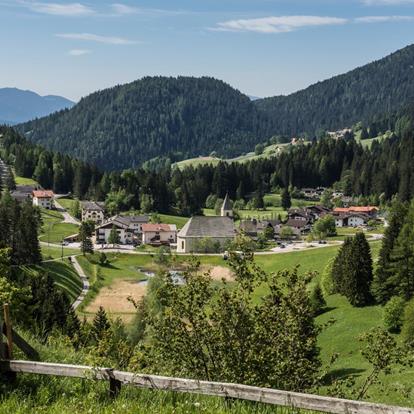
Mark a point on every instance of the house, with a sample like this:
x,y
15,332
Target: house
x,y
43,198
92,211
219,229
226,208
350,219
254,227
299,225
129,229
300,214
370,211
157,234
318,211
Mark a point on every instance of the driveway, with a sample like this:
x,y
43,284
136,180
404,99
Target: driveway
x,y
67,218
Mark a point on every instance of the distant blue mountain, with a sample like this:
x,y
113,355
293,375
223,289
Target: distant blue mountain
x,y
18,106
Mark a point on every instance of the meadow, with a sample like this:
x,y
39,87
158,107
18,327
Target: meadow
x,y
53,229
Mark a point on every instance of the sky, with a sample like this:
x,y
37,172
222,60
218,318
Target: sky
x,y
261,47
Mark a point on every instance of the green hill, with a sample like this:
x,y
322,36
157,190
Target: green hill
x,y
181,117
364,94
185,117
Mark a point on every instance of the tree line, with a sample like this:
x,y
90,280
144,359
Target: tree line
x,y
380,172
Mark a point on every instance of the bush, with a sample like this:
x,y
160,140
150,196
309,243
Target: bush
x,y
407,330
317,300
327,284
393,314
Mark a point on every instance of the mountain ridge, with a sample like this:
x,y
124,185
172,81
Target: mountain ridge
x,y
185,117
18,105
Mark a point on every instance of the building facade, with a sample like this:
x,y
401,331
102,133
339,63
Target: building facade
x,y
43,199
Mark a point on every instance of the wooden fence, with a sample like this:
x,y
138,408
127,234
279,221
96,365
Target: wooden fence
x,y
264,395
116,379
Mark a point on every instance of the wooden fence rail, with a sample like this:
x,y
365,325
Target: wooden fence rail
x,y
218,389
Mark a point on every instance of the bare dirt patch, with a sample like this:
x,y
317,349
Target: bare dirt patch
x,y
218,272
114,298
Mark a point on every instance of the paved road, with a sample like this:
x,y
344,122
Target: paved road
x,y
67,218
84,280
294,247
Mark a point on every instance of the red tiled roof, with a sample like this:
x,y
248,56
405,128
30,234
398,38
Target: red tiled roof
x,y
43,194
356,209
155,227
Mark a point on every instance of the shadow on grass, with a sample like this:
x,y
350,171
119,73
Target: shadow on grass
x,y
338,374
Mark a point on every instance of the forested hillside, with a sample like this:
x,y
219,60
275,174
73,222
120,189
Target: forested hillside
x,y
186,117
363,94
123,126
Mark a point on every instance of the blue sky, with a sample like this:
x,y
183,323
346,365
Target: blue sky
x,y
261,47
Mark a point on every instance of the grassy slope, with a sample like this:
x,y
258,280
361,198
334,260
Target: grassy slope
x,y
63,274
177,220
53,230
340,337
268,152
24,181
66,203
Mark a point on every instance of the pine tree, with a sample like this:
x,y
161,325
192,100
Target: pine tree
x,y
100,324
382,287
317,300
286,201
364,134
359,273
114,238
352,270
85,235
401,280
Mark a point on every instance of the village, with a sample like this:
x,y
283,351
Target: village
x,y
212,233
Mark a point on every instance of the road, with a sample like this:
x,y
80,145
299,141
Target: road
x,y
67,218
83,278
293,247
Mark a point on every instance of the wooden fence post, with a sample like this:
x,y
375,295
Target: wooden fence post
x,y
11,376
2,344
9,334
114,385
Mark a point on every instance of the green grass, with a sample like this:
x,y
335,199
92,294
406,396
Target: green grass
x,y
66,203
24,181
52,252
63,274
339,336
48,395
177,220
53,230
269,151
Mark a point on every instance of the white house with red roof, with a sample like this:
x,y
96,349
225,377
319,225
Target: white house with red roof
x,y
43,198
156,234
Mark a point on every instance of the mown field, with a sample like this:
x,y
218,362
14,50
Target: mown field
x,y
63,274
269,151
53,230
24,181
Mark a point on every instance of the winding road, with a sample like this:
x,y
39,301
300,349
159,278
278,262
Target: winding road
x,y
83,278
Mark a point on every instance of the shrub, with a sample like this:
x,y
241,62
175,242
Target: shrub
x,y
393,314
317,300
327,284
407,330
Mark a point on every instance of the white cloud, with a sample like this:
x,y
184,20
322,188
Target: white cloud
x,y
79,52
383,19
58,9
121,9
124,9
386,2
277,24
109,40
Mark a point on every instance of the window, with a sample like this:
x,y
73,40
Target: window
x,y
182,245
